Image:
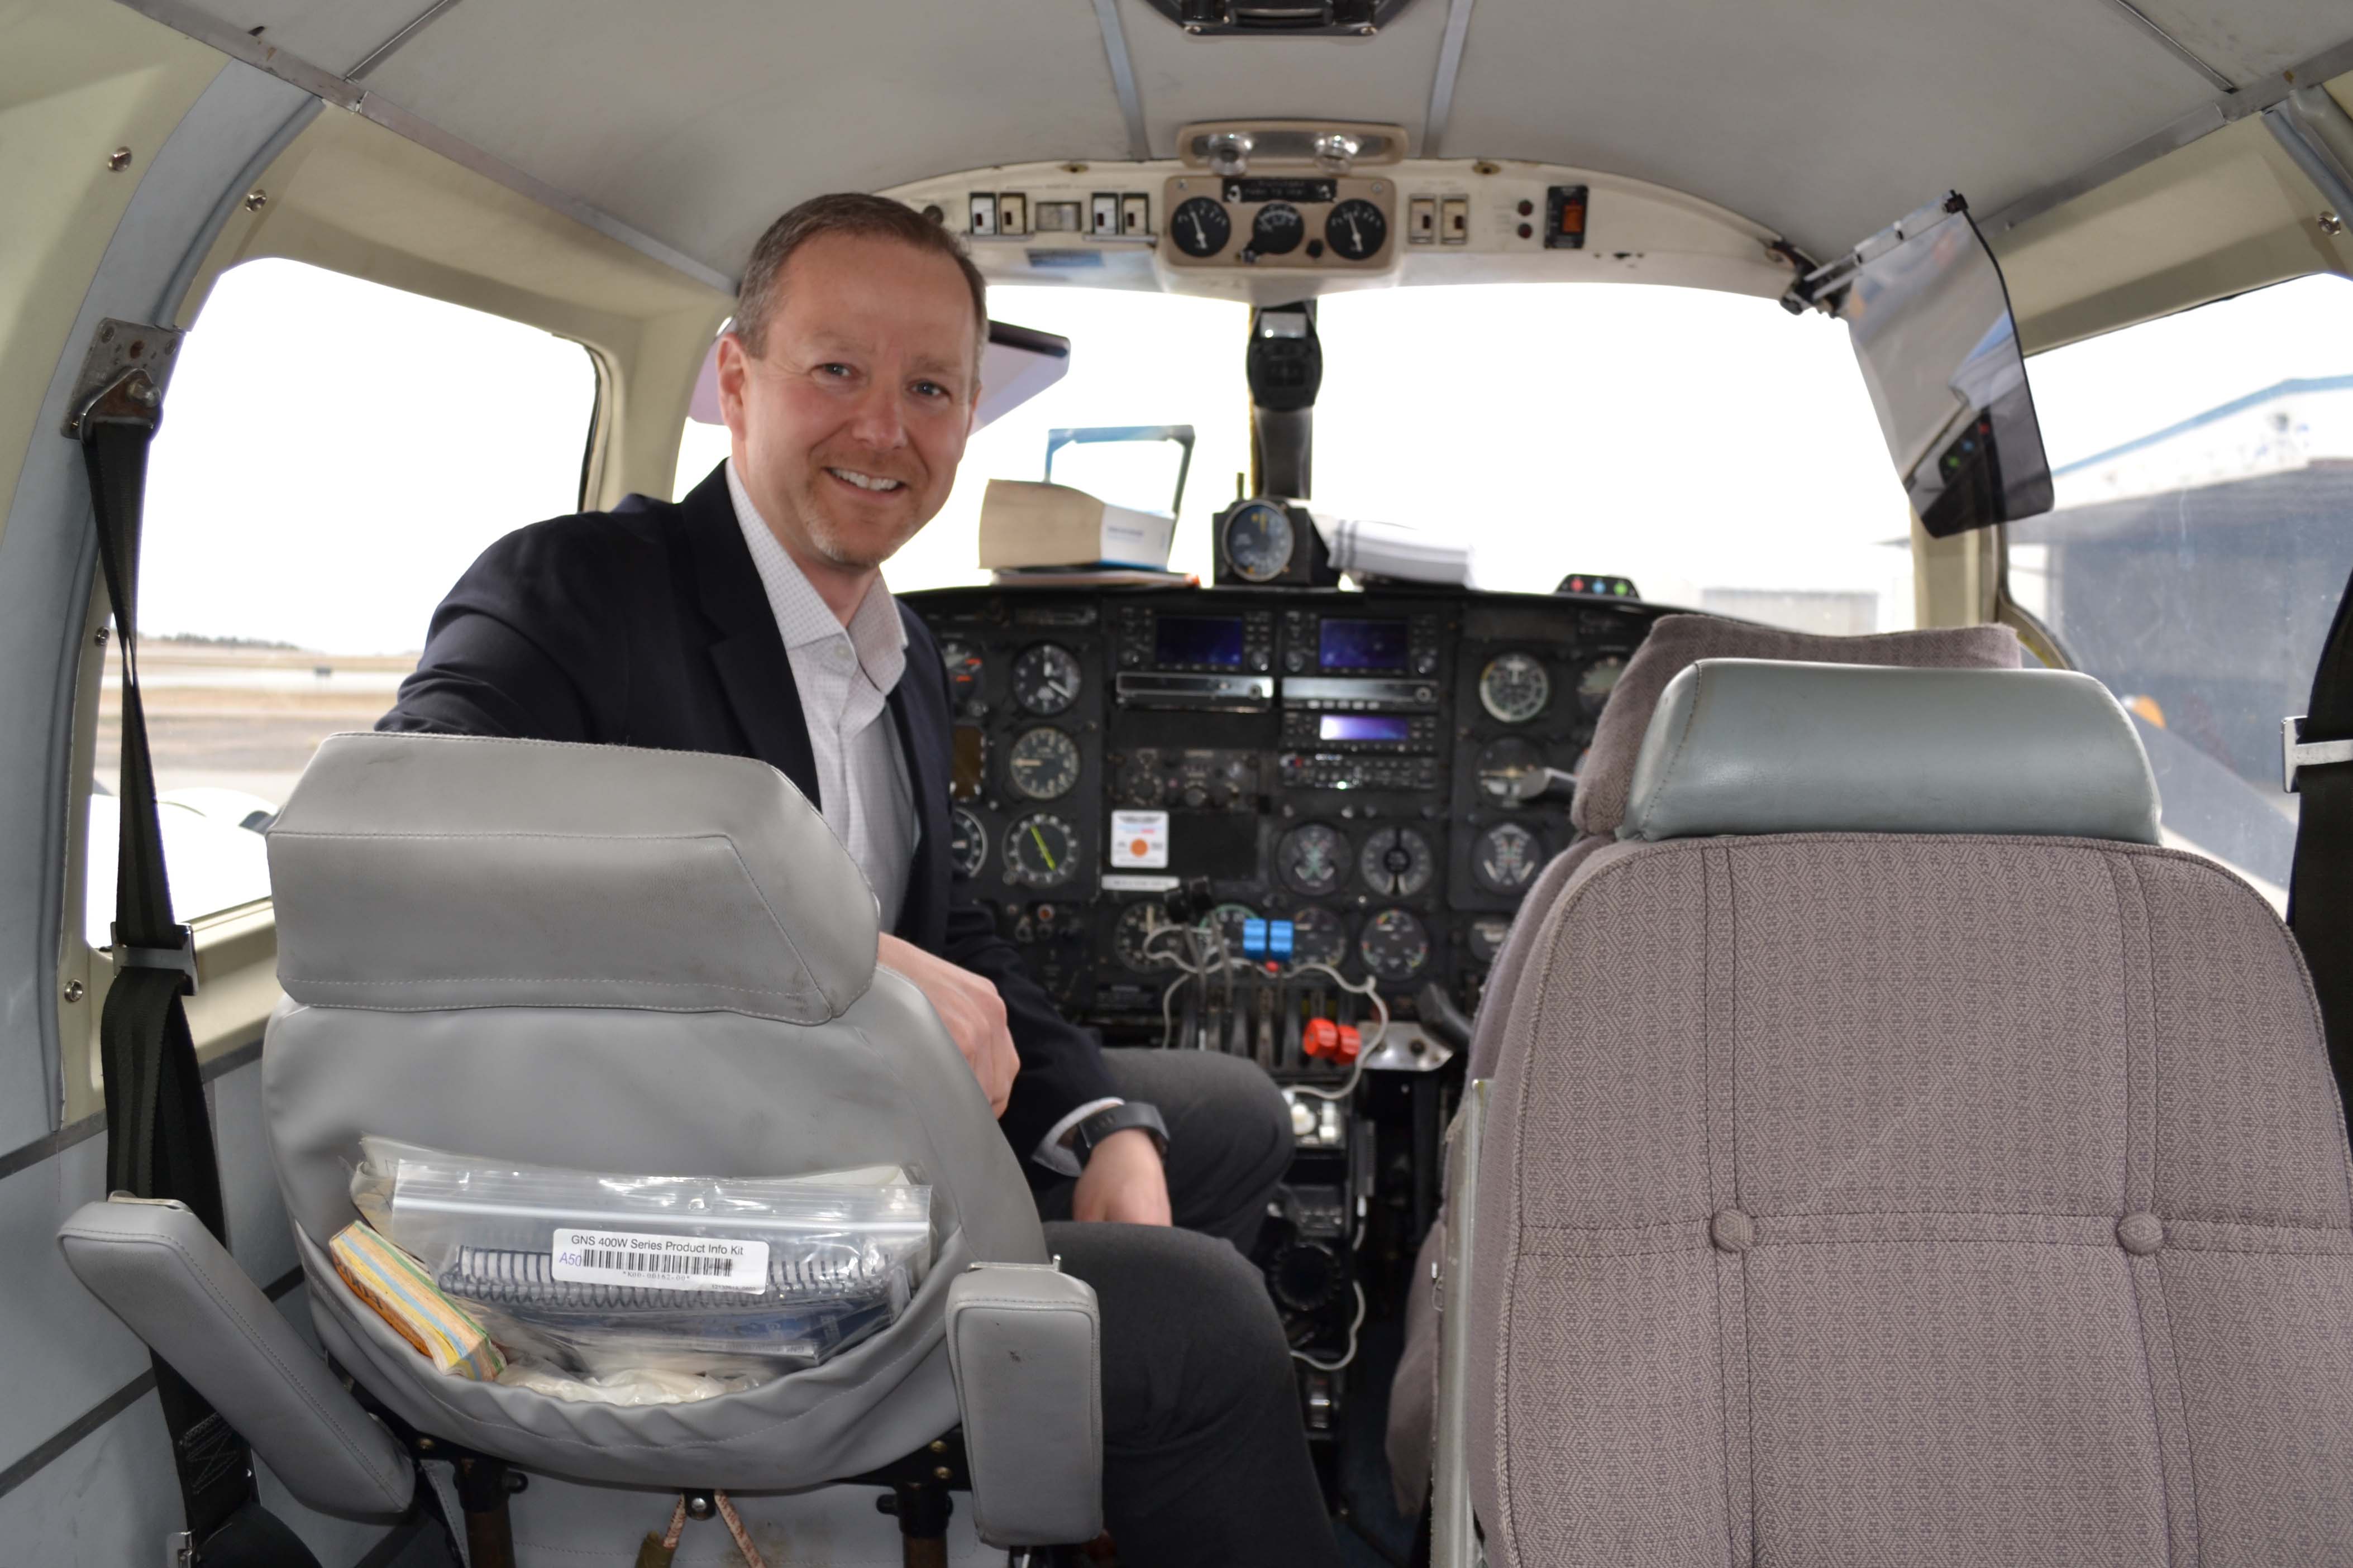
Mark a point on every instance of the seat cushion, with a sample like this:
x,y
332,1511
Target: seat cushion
x,y
1930,1200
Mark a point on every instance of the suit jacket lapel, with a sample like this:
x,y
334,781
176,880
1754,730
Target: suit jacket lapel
x,y
746,649
919,707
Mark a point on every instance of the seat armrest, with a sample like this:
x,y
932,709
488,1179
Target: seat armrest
x,y
1025,1344
169,1279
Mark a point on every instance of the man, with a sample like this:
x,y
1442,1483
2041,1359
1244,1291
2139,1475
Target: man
x,y
751,618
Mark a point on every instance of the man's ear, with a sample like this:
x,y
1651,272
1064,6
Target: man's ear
x,y
735,369
971,416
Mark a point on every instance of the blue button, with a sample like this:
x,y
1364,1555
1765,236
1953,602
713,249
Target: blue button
x,y
1253,939
1277,937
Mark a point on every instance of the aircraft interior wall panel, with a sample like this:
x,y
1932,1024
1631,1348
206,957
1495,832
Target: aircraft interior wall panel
x,y
109,1500
333,34
700,124
63,1354
2002,100
2249,39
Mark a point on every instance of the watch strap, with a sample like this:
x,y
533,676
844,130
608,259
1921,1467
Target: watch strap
x,y
1129,1114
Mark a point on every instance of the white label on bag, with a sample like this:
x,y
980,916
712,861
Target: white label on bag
x,y
660,1262
1139,839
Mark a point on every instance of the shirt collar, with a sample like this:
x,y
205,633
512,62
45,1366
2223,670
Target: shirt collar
x,y
802,617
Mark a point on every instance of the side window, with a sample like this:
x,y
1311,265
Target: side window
x,y
2200,545
333,455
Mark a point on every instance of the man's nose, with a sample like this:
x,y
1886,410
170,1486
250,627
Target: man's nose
x,y
878,421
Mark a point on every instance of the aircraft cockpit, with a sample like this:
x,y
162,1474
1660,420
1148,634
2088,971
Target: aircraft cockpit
x,y
1701,656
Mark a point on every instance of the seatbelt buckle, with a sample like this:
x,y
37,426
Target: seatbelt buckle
x,y
2297,754
181,958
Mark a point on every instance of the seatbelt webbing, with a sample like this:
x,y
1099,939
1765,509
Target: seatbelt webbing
x,y
2320,888
159,1136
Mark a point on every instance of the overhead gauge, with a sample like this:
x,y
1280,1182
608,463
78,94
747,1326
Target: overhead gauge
x,y
967,845
1278,229
1486,938
1041,852
1514,688
1259,540
1043,764
1356,229
1507,768
1318,937
1394,946
1046,679
1598,680
1201,226
1312,859
1397,862
1507,859
965,666
1136,940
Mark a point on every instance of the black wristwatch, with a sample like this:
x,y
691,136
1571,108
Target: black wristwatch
x,y
1088,1133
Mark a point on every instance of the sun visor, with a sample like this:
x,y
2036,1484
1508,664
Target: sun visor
x,y
1929,316
1015,365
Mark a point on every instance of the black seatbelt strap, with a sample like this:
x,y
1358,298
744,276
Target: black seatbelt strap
x,y
2319,767
159,1136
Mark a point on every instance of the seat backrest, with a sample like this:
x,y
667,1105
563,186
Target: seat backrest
x,y
625,961
1676,643
1895,1156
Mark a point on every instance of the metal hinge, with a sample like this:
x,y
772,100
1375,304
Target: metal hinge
x,y
123,377
2297,754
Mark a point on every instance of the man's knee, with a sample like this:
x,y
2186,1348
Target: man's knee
x,y
1253,1117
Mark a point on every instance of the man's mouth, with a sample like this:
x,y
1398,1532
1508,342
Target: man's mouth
x,y
867,481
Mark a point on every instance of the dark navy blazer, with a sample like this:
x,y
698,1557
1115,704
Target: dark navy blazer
x,y
648,625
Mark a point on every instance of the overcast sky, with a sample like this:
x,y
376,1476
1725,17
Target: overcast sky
x,y
1687,439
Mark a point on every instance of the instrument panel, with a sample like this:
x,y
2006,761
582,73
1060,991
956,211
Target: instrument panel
x,y
1368,782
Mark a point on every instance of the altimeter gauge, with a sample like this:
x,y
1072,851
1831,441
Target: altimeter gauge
x,y
1046,679
1043,764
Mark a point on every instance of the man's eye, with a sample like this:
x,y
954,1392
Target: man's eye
x,y
930,389
834,369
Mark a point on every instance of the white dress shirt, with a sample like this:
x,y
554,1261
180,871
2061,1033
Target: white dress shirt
x,y
845,676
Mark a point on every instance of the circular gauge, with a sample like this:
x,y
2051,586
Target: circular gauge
x,y
1514,688
1312,859
1394,946
1508,766
964,666
1201,226
1278,229
1486,938
1046,679
1318,937
1356,229
1132,938
1507,859
1043,764
1229,920
1397,862
1597,681
1257,538
1041,852
967,845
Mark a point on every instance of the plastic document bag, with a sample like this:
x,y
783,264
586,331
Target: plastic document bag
x,y
599,1274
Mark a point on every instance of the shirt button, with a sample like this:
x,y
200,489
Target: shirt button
x,y
841,654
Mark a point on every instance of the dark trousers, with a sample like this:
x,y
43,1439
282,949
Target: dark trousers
x,y
1204,1459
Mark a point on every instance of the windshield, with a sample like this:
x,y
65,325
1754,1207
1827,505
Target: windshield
x,y
1714,448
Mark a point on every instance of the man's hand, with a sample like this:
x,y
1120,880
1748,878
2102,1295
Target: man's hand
x,y
1124,1182
975,1015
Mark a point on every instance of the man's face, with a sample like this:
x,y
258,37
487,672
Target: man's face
x,y
848,426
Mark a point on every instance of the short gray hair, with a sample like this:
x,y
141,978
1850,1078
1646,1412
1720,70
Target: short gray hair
x,y
852,213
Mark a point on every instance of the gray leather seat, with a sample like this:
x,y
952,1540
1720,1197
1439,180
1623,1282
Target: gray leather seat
x,y
630,961
1676,643
1893,1156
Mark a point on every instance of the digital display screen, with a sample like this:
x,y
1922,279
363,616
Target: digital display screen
x,y
1197,641
1363,644
1363,726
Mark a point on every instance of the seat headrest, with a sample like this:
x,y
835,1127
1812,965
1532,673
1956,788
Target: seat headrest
x,y
434,871
1676,643
1758,746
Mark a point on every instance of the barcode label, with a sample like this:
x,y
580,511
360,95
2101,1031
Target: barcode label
x,y
660,1262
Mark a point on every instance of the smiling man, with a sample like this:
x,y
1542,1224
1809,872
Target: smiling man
x,y
751,618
